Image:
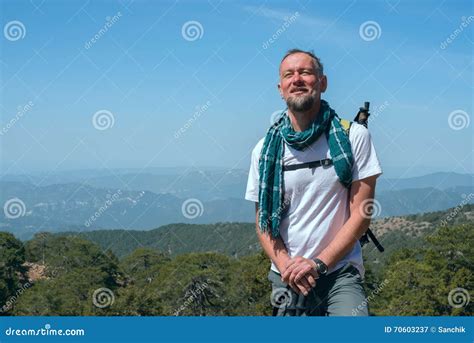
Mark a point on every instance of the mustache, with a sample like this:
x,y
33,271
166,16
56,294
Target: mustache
x,y
309,93
299,89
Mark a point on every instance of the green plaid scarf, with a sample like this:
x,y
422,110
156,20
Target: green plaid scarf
x,y
271,188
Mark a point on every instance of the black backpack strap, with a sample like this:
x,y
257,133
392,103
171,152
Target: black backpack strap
x,y
325,163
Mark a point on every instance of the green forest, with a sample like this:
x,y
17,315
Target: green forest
x,y
429,274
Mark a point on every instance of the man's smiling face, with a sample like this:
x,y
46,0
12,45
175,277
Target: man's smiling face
x,y
300,84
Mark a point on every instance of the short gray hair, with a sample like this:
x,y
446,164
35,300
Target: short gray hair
x,y
316,60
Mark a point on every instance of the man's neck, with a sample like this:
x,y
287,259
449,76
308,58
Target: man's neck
x,y
301,121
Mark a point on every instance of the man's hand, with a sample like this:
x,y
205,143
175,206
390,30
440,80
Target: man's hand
x,y
300,274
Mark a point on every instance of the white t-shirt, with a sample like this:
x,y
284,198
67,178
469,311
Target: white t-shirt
x,y
318,203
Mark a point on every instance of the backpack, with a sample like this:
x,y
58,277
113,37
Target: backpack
x,y
346,125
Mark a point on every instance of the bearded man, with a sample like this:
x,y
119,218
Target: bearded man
x,y
312,182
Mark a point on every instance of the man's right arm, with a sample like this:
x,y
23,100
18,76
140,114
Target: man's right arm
x,y
273,247
277,252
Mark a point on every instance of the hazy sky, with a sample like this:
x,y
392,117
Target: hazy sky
x,y
134,84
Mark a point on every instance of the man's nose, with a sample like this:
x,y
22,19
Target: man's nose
x,y
297,78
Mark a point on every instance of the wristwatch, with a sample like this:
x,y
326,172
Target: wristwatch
x,y
321,267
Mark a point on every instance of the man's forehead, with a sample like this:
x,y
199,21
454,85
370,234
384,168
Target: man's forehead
x,y
297,60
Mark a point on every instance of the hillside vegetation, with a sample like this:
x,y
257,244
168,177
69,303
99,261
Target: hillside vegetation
x,y
219,270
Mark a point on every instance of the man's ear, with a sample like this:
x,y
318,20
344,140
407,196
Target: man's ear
x,y
279,89
323,83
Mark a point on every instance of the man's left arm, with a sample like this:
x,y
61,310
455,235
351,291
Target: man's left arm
x,y
361,199
361,203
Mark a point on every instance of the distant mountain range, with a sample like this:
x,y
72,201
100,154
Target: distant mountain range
x,y
127,199
239,239
440,181
81,207
204,183
210,183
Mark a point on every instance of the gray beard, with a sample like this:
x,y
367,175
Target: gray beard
x,y
301,103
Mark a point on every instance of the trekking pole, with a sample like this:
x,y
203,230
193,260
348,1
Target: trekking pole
x,y
362,118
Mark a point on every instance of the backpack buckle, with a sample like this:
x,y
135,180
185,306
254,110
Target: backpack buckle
x,y
326,162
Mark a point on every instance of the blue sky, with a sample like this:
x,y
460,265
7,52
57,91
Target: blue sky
x,y
218,89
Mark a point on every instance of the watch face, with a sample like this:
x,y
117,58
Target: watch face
x,y
325,268
321,267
